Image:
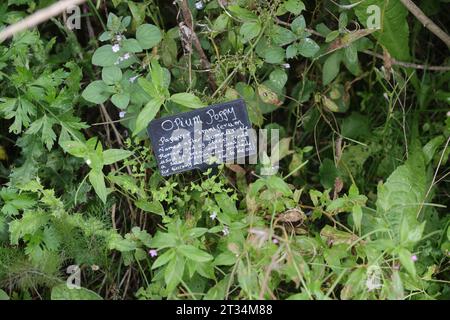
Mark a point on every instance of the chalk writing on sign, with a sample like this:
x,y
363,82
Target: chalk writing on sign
x,y
219,133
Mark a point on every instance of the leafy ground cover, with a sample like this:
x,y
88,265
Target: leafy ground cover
x,y
359,91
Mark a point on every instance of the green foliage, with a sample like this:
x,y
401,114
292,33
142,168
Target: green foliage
x,y
353,208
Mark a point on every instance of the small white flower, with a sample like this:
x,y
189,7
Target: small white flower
x,y
126,56
133,79
95,267
122,114
286,65
88,162
448,114
115,48
119,38
225,231
199,5
213,215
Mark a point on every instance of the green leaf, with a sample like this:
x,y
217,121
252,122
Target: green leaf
x,y
105,56
63,292
96,92
150,206
195,254
164,259
75,148
308,48
131,45
282,36
174,272
97,180
278,78
3,295
121,100
111,75
250,30
147,114
148,36
394,33
187,99
331,67
357,216
406,259
402,194
274,55
294,6
113,155
277,184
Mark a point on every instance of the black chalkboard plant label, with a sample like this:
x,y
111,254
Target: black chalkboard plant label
x,y
219,133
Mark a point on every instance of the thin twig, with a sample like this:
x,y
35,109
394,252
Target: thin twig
x,y
408,64
38,17
427,22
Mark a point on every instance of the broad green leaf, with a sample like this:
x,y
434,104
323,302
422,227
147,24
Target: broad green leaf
x,y
75,148
331,67
148,87
394,33
282,36
111,75
402,194
195,254
150,206
147,114
148,36
174,272
274,55
121,100
187,99
105,56
113,155
97,180
226,204
294,6
63,292
308,48
96,92
250,30
278,78
131,45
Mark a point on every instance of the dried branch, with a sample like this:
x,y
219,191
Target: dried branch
x,y
38,17
427,22
187,17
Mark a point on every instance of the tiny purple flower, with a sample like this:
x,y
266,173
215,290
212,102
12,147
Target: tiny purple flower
x,y
153,253
414,258
275,240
